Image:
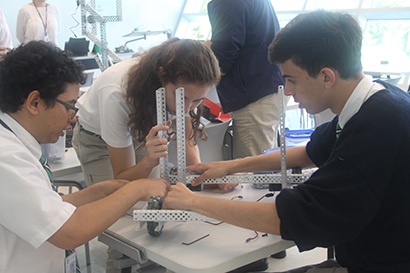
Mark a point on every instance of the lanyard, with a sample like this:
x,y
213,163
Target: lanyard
x,y
6,126
43,163
42,21
71,261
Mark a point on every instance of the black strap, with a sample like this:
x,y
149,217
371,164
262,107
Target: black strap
x,y
6,126
43,163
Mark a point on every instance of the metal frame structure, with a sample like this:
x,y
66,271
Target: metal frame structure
x,y
287,180
93,18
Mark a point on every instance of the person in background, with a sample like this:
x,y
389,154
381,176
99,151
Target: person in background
x,y
5,38
38,21
358,199
241,33
39,86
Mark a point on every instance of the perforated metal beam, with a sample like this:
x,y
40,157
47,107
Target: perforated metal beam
x,y
170,215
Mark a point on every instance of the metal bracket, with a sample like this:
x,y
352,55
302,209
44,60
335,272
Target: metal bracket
x,y
162,120
250,178
96,17
170,215
181,149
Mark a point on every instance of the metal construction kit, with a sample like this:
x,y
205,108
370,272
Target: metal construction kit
x,y
286,180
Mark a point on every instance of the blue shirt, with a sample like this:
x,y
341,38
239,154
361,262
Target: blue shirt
x,y
241,33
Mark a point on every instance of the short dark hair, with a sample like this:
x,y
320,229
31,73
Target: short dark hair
x,y
320,39
37,65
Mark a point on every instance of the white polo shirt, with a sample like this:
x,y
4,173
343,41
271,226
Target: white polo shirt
x,y
30,211
104,109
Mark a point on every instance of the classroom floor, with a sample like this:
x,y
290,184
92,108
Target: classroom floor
x,y
292,260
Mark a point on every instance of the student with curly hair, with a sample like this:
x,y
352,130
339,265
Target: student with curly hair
x,y
116,136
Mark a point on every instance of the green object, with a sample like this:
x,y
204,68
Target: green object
x,y
297,170
154,203
96,49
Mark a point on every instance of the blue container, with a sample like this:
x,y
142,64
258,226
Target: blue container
x,y
297,137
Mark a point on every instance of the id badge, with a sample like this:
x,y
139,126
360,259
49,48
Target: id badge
x,y
70,263
46,38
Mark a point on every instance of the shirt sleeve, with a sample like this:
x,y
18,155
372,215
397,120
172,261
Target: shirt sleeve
x,y
5,37
28,205
343,196
114,113
321,142
228,22
323,211
20,26
58,19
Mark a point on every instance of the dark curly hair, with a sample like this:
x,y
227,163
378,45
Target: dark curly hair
x,y
37,65
184,59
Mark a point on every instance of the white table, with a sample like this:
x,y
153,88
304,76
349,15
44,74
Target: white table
x,y
223,250
70,165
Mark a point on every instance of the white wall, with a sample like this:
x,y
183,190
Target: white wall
x,y
152,14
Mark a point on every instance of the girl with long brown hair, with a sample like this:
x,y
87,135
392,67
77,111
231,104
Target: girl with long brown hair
x,y
116,136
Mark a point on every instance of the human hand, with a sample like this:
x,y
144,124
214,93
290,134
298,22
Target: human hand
x,y
179,197
209,171
3,51
156,146
153,187
227,187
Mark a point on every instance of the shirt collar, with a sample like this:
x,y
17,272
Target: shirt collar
x,y
22,134
363,91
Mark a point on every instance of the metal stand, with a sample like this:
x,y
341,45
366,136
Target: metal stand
x,y
92,19
162,120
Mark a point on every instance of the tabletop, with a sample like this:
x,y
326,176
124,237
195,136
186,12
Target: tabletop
x,y
70,165
224,248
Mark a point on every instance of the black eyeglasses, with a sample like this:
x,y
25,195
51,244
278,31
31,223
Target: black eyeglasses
x,y
69,107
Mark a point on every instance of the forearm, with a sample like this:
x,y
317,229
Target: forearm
x,y
140,170
94,192
93,218
295,157
251,215
192,154
124,164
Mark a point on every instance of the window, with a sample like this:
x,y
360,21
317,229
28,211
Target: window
x,y
385,23
194,23
196,6
386,41
385,3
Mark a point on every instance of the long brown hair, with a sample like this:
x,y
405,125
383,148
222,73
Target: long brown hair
x,y
184,59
